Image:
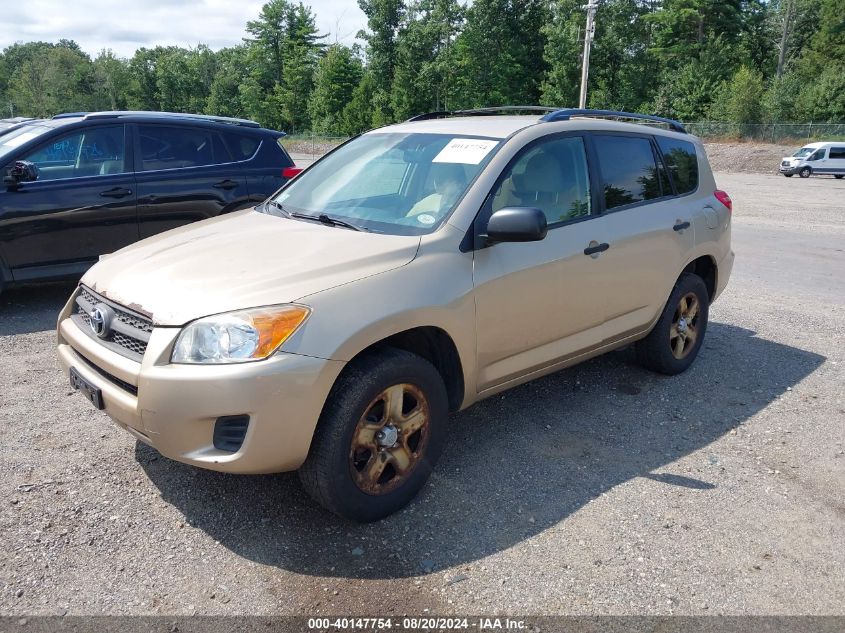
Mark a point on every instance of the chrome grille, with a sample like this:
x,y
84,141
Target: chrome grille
x,y
130,331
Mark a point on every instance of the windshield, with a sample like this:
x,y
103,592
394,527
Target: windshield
x,y
804,151
403,184
14,139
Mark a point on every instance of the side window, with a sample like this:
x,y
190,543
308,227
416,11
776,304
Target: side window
x,y
97,151
165,147
682,161
242,147
818,154
628,170
837,152
551,176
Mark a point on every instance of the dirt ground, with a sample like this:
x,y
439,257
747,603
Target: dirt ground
x,y
603,489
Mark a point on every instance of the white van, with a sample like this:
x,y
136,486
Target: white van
x,y
815,158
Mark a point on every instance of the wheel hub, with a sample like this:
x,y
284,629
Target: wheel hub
x,y
387,436
682,325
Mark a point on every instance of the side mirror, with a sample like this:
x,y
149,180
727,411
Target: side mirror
x,y
21,171
517,224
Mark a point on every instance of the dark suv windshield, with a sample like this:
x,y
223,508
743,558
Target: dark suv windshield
x,y
404,184
14,139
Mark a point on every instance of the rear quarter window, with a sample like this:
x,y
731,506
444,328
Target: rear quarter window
x,y
242,147
682,161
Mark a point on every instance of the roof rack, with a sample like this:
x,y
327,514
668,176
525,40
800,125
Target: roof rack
x,y
144,113
567,113
442,114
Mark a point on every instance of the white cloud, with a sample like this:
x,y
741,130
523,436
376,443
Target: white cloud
x,y
126,26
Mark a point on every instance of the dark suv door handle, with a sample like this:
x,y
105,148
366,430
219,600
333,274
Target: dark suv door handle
x,y
226,184
117,192
680,226
598,248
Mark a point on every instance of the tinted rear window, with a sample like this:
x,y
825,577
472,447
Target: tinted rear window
x,y
682,161
837,152
628,170
242,147
165,147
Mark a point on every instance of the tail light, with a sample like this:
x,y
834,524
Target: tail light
x,y
725,199
291,172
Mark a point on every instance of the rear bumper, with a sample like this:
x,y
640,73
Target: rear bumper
x,y
175,407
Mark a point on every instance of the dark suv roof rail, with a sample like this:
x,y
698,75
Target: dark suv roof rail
x,y
70,115
169,115
442,114
567,113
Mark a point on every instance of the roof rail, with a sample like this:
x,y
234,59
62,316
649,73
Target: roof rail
x,y
567,113
70,115
442,114
183,115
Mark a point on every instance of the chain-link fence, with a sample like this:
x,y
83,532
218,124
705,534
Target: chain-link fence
x,y
768,132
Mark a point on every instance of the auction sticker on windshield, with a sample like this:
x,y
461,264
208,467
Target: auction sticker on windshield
x,y
466,151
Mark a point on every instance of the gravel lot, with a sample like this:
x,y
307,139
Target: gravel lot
x,y
603,489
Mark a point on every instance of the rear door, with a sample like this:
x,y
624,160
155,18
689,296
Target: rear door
x,y
184,174
650,231
82,205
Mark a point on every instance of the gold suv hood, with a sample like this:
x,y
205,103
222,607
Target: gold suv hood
x,y
242,260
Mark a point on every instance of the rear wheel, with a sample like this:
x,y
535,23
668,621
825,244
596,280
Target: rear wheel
x,y
379,436
805,172
839,176
673,344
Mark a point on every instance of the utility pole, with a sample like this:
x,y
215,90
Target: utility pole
x,y
589,34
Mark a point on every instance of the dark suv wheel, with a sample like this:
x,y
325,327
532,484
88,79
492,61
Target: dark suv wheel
x,y
379,436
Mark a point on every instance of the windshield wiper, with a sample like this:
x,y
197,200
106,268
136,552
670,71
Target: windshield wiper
x,y
326,219
323,218
279,206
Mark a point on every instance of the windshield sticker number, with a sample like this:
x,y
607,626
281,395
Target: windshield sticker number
x,y
465,151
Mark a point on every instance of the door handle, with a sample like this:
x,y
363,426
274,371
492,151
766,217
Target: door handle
x,y
117,192
595,248
226,184
680,226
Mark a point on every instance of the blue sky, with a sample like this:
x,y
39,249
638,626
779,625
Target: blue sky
x,y
127,26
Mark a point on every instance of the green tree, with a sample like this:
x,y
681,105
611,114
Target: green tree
x,y
384,18
740,100
338,73
500,53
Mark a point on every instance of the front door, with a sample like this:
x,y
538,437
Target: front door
x,y
81,206
540,302
184,174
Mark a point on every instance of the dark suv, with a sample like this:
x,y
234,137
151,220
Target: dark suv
x,y
81,185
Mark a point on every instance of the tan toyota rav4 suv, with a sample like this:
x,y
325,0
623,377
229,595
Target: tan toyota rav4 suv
x,y
411,272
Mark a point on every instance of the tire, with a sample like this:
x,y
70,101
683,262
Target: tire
x,y
838,176
789,175
661,351
805,172
347,452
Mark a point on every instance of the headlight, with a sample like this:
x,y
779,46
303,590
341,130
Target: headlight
x,y
238,337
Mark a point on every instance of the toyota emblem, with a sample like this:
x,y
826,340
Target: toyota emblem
x,y
101,317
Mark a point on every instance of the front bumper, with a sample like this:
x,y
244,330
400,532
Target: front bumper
x,y
789,169
173,408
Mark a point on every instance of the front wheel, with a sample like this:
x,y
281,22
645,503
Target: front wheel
x,y
379,436
839,176
789,175
673,344
805,172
